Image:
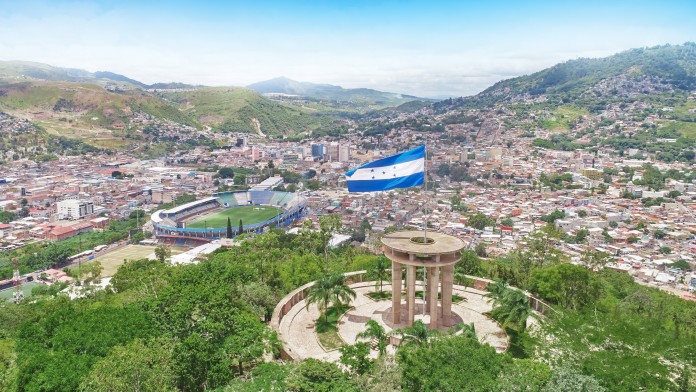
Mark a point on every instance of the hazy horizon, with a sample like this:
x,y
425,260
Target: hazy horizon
x,y
433,49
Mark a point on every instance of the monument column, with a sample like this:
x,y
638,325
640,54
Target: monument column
x,y
411,293
447,282
432,296
427,284
396,292
436,253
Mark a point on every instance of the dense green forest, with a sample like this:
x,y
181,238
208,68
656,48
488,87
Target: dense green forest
x,y
203,327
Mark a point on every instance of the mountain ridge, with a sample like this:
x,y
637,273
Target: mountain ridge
x,y
112,110
22,69
323,91
672,64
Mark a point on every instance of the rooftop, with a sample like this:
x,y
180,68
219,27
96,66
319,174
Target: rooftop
x,y
407,241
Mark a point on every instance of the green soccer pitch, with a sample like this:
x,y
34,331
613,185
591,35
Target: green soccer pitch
x,y
248,214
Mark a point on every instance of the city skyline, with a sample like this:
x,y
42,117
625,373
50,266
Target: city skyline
x,y
430,50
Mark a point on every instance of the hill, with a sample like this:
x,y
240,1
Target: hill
x,y
110,110
640,101
28,71
627,74
21,139
237,109
87,111
32,70
360,98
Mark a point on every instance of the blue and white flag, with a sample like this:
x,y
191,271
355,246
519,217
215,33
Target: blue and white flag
x,y
397,171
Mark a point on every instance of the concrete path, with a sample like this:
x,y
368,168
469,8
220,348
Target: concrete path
x,y
297,327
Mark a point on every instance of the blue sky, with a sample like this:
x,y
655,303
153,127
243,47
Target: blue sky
x,y
426,48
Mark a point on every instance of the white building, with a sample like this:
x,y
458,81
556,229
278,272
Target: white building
x,y
268,184
343,153
75,209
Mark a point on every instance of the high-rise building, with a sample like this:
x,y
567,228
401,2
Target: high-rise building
x,y
332,151
317,150
343,153
257,154
75,209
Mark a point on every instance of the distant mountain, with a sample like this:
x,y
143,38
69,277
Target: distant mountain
x,y
117,78
172,86
240,109
327,92
632,72
26,70
110,110
593,83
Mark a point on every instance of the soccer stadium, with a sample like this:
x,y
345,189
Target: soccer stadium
x,y
205,220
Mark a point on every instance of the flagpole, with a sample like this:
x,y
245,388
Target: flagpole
x,y
425,190
425,220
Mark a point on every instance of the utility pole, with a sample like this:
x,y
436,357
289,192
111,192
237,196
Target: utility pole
x,y
79,259
17,295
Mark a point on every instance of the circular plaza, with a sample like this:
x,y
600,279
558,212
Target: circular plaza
x,y
297,326
433,300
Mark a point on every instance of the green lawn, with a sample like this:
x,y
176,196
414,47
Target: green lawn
x,y
248,214
562,116
6,295
327,329
113,260
687,129
376,295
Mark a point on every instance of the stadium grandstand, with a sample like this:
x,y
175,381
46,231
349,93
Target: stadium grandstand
x,y
205,220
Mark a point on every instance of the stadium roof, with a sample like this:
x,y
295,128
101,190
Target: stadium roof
x,y
186,206
268,184
156,216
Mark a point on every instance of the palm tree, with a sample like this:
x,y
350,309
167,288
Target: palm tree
x,y
460,276
496,290
340,291
467,330
513,309
375,331
320,294
328,289
380,271
417,334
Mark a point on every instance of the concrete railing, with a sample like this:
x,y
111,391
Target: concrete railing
x,y
298,295
535,303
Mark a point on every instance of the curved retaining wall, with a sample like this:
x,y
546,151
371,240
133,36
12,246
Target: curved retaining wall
x,y
537,305
298,295
293,298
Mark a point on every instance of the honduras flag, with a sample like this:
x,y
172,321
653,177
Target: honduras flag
x,y
397,171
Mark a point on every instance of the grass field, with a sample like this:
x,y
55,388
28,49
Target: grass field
x,y
562,116
6,295
248,214
327,329
687,129
112,260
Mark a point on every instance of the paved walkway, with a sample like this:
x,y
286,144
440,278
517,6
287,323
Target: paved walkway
x,y
297,327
